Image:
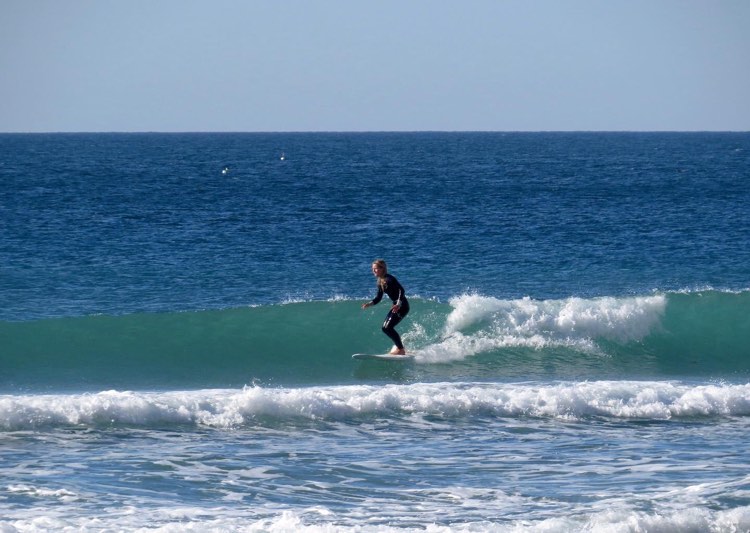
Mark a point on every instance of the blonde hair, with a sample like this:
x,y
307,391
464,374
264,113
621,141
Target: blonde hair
x,y
381,279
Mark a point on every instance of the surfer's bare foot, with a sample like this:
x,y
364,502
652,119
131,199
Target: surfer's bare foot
x,y
396,351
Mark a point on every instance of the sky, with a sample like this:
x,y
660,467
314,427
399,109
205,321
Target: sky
x,y
386,65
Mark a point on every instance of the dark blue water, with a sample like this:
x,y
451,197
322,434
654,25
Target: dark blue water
x,y
178,313
148,222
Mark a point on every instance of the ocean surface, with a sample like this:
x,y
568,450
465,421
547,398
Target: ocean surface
x,y
178,314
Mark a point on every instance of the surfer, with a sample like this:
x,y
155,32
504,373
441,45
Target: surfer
x,y
389,285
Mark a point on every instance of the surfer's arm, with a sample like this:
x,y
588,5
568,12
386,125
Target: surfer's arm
x,y
374,301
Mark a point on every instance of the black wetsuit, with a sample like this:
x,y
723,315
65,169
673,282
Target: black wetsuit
x,y
396,293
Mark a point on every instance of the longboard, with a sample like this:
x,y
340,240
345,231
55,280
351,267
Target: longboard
x,y
383,357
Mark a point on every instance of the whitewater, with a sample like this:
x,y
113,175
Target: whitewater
x,y
176,340
258,406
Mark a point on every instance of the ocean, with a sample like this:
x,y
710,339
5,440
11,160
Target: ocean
x,y
179,312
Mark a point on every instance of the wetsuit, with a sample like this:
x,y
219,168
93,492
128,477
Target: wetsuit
x,y
396,293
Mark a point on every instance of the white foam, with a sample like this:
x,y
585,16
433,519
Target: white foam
x,y
254,405
320,520
62,495
479,323
623,319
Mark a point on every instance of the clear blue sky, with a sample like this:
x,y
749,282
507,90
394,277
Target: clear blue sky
x,y
355,65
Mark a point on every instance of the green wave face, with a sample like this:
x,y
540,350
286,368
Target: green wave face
x,y
470,338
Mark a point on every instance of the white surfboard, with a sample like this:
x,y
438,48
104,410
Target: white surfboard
x,y
384,357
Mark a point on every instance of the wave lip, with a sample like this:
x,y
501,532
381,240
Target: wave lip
x,y
674,335
479,324
254,406
621,319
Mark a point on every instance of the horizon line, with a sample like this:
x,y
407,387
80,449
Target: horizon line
x,y
270,132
